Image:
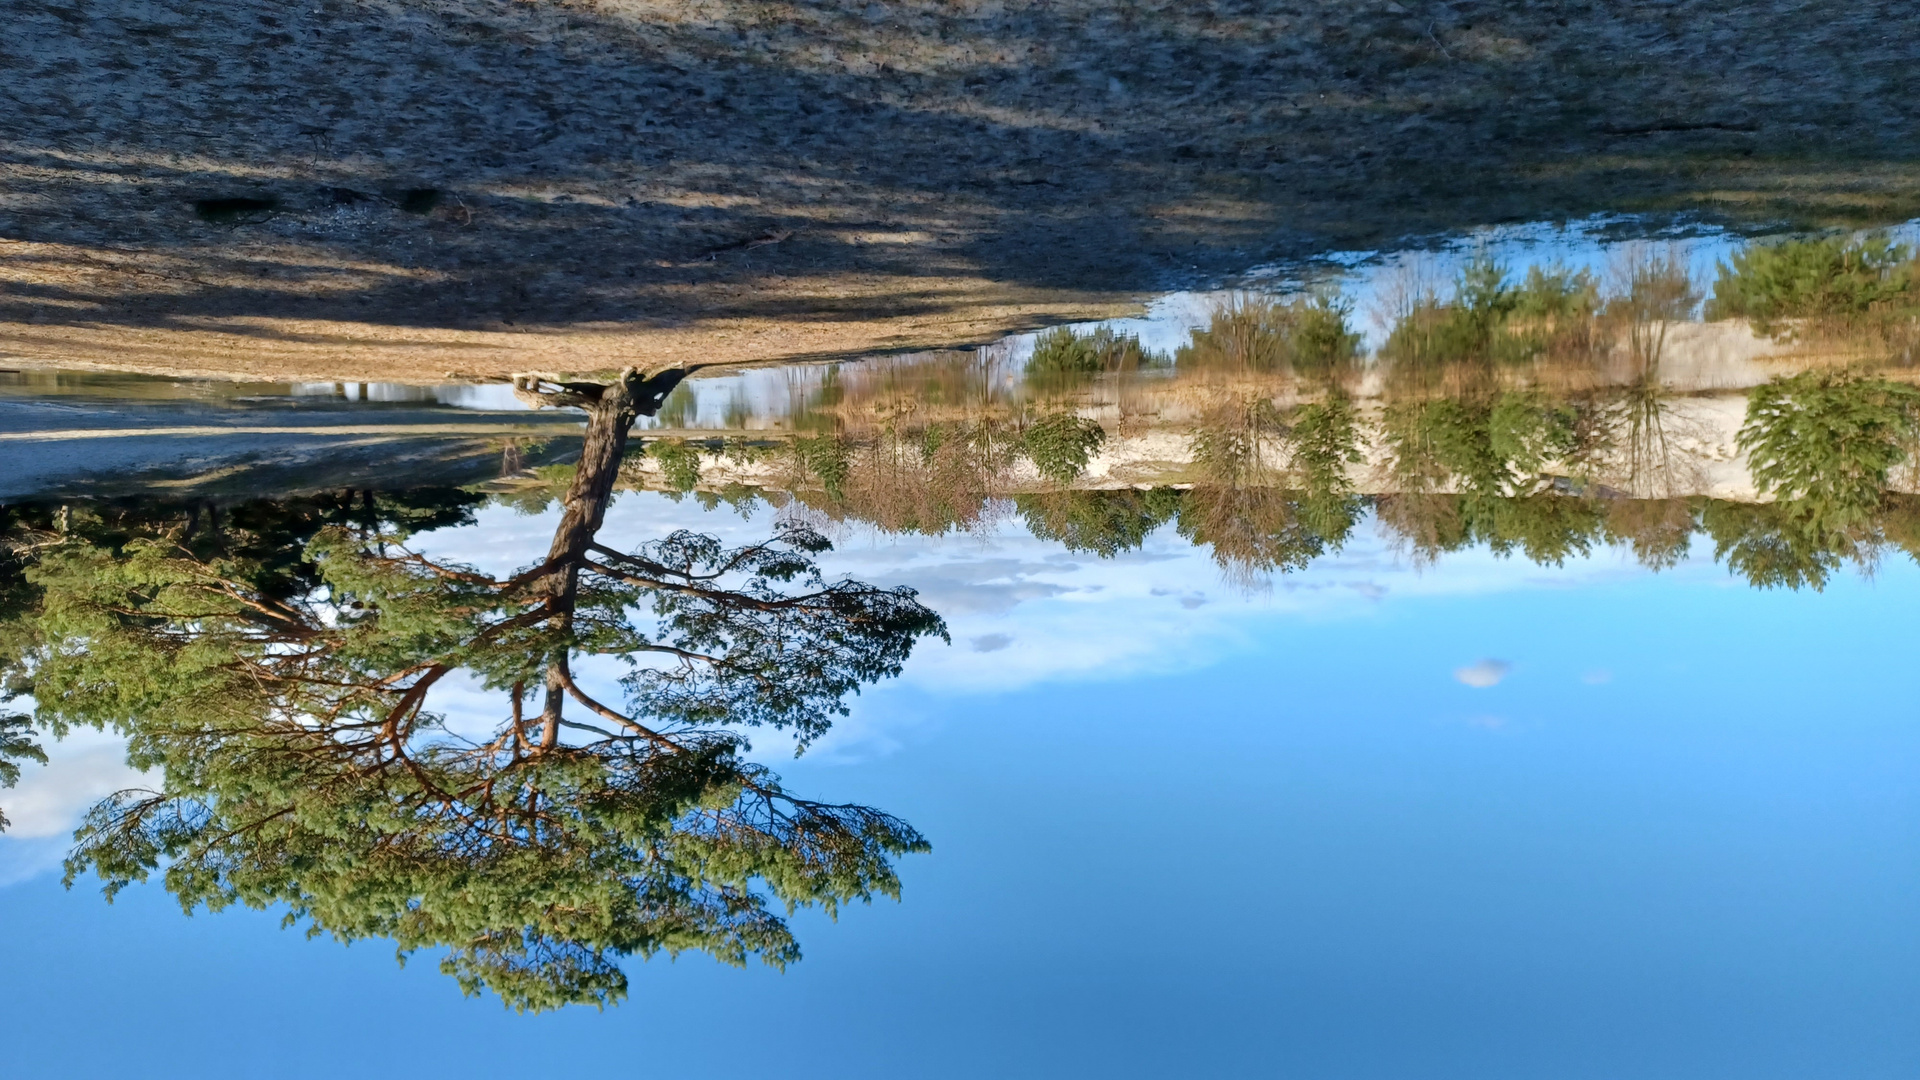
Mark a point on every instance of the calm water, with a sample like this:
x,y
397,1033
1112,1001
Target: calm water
x,y
1560,728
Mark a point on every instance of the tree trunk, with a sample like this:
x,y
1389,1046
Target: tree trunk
x,y
585,505
610,416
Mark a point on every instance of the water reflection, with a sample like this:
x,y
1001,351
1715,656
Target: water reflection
x,y
274,669
279,666
1520,410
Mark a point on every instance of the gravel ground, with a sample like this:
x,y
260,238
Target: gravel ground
x,y
477,185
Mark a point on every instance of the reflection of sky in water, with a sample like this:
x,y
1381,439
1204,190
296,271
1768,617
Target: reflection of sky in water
x,y
1477,819
1484,819
485,396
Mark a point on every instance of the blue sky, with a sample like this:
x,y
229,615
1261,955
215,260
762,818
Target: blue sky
x,y
1272,836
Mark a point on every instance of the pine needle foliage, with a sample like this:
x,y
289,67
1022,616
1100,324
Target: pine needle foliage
x,y
285,699
284,695
828,458
1105,523
1324,441
1255,531
1061,444
1843,276
1825,442
1545,527
1272,495
17,744
1064,351
1495,447
1489,320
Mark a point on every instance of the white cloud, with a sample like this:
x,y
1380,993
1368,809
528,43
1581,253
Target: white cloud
x,y
80,769
1483,674
47,804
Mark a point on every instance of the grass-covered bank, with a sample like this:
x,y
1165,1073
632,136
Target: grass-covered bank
x,y
414,187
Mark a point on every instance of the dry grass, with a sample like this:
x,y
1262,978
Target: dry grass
x,y
757,179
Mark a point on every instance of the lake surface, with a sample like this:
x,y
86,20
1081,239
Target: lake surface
x,y
1548,715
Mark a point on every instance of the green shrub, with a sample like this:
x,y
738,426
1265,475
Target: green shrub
x,y
1557,294
1061,444
1064,351
1322,340
1825,441
827,457
1106,523
1487,318
1307,336
1489,448
1325,440
1772,546
1830,276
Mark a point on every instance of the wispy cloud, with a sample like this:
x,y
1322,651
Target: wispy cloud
x,y
1483,674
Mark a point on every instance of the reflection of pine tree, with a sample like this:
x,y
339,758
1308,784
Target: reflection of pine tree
x,y
1826,441
1495,446
286,701
1272,495
1545,528
1105,523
